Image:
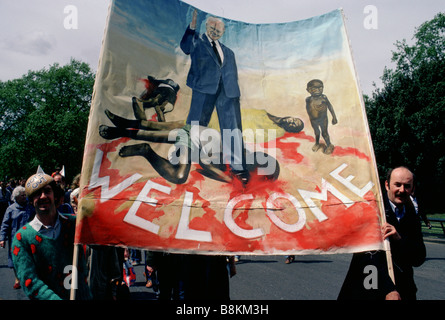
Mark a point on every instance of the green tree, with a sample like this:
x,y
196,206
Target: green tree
x,y
407,116
43,120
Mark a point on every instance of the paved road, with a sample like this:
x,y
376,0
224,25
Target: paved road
x,y
320,277
312,277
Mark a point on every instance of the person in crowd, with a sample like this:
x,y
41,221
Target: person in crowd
x,y
151,271
74,199
403,229
11,185
16,216
206,277
418,208
43,249
106,269
168,272
75,184
63,206
5,199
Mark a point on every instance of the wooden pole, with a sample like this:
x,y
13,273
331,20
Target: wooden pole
x,y
386,244
74,277
389,260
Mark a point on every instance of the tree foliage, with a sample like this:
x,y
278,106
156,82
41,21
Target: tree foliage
x,y
43,120
407,116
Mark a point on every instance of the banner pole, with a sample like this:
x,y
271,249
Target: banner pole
x,y
386,244
389,260
74,273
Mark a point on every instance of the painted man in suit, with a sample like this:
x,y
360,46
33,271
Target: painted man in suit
x,y
213,77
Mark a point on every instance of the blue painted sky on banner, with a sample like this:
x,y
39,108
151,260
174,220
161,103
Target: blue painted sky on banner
x,y
256,46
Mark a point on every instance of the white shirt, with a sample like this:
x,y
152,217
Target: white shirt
x,y
218,47
399,213
48,231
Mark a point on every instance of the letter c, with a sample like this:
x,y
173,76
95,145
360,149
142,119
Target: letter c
x,y
230,223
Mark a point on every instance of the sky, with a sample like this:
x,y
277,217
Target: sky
x,y
37,34
257,47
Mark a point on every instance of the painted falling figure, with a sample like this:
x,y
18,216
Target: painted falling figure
x,y
158,94
176,167
317,106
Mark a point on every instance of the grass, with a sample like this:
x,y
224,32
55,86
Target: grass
x,y
436,231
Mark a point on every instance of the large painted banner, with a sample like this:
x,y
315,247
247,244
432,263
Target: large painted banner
x,y
256,144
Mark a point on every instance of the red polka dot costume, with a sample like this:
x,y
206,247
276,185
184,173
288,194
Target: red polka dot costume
x,y
44,265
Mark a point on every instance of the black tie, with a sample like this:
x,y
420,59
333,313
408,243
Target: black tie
x,y
216,52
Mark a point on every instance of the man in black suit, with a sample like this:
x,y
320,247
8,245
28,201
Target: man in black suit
x,y
403,229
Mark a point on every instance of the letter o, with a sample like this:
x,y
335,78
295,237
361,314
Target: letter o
x,y
280,224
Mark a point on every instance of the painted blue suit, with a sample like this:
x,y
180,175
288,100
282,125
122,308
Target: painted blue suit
x,y
214,85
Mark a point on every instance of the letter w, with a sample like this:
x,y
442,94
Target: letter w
x,y
104,182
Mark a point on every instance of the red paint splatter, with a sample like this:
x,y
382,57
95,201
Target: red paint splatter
x,y
289,147
340,151
149,86
154,117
